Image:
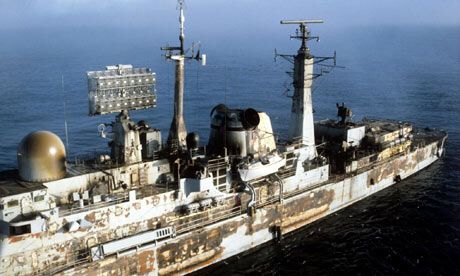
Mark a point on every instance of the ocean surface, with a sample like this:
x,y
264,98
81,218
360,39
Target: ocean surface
x,y
403,73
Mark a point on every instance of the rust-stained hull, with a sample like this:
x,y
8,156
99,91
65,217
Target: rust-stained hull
x,y
202,247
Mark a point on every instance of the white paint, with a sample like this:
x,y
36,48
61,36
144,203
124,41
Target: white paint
x,y
346,192
257,169
301,124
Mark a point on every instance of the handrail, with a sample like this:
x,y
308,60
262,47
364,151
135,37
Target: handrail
x,y
74,210
201,222
219,215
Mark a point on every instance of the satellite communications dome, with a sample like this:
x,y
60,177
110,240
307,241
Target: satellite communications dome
x,y
41,157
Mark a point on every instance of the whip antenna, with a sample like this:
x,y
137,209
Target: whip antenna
x,y
65,115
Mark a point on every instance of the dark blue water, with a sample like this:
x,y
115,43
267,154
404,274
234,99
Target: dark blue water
x,y
408,73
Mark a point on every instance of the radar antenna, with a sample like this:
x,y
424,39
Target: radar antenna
x,y
303,34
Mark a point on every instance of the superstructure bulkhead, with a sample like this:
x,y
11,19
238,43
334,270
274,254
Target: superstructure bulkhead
x,y
159,207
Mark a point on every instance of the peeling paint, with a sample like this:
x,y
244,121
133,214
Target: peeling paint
x,y
201,246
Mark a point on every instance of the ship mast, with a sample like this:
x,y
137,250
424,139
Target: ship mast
x,y
301,127
178,131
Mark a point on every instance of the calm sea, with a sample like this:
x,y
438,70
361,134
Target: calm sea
x,y
390,72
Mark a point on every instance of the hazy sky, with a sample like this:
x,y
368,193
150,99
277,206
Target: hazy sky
x,y
249,26
222,15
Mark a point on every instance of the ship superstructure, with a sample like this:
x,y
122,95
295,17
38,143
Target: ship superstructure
x,y
150,207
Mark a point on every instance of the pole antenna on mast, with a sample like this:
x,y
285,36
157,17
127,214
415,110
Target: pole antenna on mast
x,y
303,34
65,115
180,4
178,54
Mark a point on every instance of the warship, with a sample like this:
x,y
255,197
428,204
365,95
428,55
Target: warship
x,y
174,207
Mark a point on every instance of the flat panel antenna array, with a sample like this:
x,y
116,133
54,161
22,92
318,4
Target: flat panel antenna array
x,y
120,87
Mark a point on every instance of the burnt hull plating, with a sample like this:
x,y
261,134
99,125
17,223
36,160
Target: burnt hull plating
x,y
194,250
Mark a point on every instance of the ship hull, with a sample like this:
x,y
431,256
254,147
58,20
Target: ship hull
x,y
215,242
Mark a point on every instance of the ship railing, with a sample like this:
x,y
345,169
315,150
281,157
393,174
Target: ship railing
x,y
340,177
203,221
89,157
94,160
313,164
264,201
371,119
68,265
84,257
73,261
111,200
217,163
161,187
287,172
295,142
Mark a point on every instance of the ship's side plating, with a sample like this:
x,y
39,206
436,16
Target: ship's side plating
x,y
212,241
206,236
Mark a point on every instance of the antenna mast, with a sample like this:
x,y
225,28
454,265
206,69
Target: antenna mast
x,y
65,115
178,131
301,126
181,25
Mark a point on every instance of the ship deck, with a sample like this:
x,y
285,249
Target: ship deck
x,y
11,184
